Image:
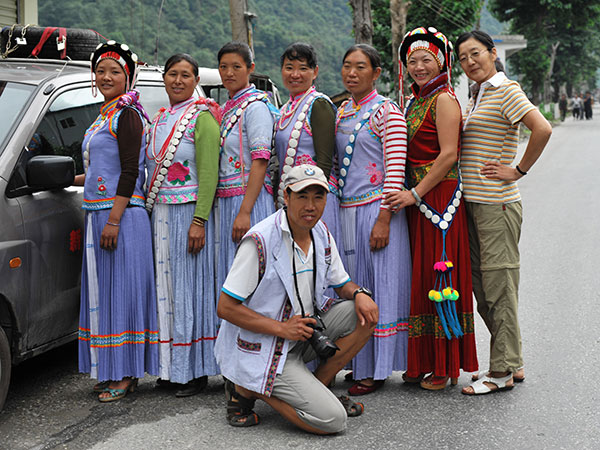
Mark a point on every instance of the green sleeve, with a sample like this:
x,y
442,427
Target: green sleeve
x,y
322,123
206,140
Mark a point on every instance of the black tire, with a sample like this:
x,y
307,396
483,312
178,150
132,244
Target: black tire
x,y
5,367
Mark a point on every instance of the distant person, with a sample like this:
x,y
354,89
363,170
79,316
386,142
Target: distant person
x,y
270,303
577,107
182,158
562,106
588,102
371,151
434,190
489,146
118,332
244,190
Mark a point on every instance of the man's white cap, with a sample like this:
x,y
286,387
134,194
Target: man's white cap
x,y
304,175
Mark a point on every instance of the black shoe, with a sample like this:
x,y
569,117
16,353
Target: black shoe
x,y
166,384
193,387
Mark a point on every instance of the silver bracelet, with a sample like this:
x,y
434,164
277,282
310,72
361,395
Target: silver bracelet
x,y
415,195
113,224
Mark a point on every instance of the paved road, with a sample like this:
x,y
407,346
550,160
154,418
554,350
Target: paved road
x,y
50,405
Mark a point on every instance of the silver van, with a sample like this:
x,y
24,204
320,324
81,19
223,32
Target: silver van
x,y
46,106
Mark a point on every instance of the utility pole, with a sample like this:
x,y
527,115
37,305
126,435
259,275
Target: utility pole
x,y
362,22
241,22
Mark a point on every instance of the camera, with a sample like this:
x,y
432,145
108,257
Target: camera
x,y
323,346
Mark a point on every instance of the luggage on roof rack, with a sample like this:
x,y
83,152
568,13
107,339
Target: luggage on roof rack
x,y
48,42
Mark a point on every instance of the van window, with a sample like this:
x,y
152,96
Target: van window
x,y
13,99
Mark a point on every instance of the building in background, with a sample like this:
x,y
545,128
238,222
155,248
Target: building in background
x,y
18,11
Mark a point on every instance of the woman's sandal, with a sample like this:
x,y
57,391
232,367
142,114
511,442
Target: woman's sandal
x,y
480,388
413,380
433,383
118,394
101,387
518,376
360,388
239,411
353,409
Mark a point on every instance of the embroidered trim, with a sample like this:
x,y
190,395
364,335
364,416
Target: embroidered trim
x,y
260,247
248,346
430,325
416,113
177,198
363,199
443,220
277,352
118,340
383,330
414,174
106,203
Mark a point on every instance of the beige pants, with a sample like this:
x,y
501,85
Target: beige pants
x,y
494,232
314,403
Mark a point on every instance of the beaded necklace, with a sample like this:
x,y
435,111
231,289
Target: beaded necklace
x,y
289,109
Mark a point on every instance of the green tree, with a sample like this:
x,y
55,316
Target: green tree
x,y
451,17
565,32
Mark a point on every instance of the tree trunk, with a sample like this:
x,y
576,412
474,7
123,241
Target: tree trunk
x,y
239,30
398,11
362,21
548,77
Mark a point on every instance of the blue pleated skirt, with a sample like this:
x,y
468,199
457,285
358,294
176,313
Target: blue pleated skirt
x,y
185,286
387,272
118,332
225,211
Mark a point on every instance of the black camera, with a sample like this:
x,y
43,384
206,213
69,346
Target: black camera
x,y
323,346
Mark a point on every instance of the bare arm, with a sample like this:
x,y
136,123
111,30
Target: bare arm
x,y
447,123
366,309
540,134
241,224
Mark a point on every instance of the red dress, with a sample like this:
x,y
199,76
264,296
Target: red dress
x,y
429,350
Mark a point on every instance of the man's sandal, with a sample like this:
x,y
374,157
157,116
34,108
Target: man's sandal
x,y
239,411
118,394
480,388
353,409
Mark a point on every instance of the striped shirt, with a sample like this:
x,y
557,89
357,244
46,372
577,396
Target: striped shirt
x,y
491,132
390,127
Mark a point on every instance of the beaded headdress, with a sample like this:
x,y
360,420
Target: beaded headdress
x,y
430,40
120,53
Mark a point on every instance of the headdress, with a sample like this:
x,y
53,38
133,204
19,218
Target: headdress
x,y
122,55
430,40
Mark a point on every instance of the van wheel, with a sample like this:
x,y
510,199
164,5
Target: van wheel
x,y
5,367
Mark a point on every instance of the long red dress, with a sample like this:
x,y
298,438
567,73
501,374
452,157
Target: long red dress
x,y
429,350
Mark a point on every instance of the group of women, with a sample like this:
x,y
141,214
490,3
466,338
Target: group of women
x,y
408,189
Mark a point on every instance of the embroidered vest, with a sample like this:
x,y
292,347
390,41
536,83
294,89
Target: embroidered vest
x,y
101,149
250,359
360,156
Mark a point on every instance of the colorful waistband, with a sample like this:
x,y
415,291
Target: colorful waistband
x,y
363,199
414,174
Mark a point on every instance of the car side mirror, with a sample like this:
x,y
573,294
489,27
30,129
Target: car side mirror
x,y
47,172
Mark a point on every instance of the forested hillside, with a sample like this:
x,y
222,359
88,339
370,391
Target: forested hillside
x,y
201,27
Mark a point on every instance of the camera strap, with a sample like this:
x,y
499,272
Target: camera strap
x,y
294,269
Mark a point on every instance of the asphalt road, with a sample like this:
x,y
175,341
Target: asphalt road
x,y
51,406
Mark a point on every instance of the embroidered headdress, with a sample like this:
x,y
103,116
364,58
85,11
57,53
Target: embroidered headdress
x,y
122,55
430,40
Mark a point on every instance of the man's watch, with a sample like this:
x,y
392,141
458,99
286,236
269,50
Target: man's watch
x,y
362,290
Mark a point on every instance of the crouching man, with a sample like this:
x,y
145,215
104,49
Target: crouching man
x,y
269,302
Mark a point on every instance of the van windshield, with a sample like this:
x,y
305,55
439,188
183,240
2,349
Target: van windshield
x,y
13,99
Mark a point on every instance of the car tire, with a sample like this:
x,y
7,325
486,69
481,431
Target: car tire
x,y
5,367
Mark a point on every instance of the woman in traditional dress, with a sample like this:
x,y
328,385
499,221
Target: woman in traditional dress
x,y
118,336
182,158
489,146
441,337
371,151
305,132
244,191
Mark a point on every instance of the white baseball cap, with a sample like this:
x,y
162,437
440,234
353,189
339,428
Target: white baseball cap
x,y
304,175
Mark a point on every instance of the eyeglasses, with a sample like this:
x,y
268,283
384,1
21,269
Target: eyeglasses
x,y
474,55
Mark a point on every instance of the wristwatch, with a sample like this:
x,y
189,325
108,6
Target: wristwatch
x,y
362,290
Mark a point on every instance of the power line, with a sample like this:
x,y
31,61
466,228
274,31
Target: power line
x,y
445,15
